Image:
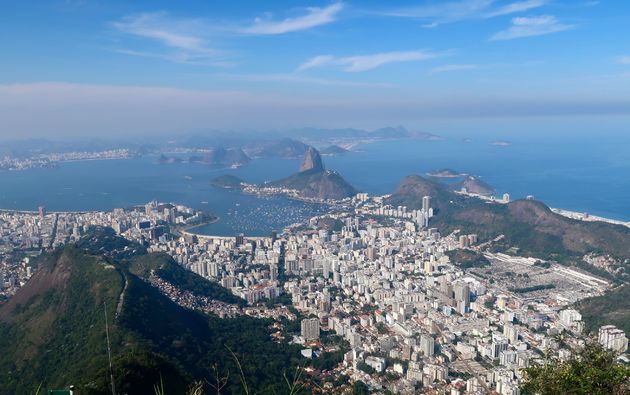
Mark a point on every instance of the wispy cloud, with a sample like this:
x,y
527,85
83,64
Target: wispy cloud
x,y
623,60
531,26
314,17
453,67
454,11
513,8
184,40
366,62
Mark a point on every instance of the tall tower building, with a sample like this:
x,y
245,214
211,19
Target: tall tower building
x,y
310,328
427,344
426,203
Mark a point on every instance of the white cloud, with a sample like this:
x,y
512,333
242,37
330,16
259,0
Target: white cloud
x,y
453,67
159,26
531,26
317,61
185,40
314,17
623,60
519,6
366,62
454,11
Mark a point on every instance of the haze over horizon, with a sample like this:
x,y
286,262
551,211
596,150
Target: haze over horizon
x,y
92,68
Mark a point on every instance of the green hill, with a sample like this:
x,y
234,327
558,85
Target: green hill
x,y
527,225
612,308
227,181
52,332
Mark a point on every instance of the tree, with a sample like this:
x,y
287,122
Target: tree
x,y
592,371
360,388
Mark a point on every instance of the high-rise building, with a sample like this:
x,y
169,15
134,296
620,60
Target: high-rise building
x,y
273,272
427,345
499,343
370,253
426,203
613,338
240,240
310,328
511,333
41,211
462,293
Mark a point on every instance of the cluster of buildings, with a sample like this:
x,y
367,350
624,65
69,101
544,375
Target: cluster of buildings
x,y
25,234
384,281
420,217
49,160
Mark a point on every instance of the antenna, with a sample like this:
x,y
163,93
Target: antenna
x,y
109,350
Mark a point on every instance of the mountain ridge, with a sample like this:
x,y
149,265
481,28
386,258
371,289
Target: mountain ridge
x,y
527,224
53,330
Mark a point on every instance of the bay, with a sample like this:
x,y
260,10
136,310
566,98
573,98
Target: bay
x,y
586,174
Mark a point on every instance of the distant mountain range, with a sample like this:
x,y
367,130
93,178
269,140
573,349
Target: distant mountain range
x,y
285,148
390,132
223,157
333,150
52,332
214,157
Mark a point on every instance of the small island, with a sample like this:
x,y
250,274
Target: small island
x,y
501,143
228,181
166,160
445,173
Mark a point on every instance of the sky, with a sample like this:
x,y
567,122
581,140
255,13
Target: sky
x,y
74,68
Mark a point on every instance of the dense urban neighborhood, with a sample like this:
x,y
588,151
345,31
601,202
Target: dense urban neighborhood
x,y
399,305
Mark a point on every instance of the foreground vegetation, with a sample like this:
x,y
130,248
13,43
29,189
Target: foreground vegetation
x,y
53,330
591,371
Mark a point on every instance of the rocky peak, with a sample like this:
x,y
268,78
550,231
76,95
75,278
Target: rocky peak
x,y
312,161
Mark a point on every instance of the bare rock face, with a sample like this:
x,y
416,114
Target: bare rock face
x,y
312,161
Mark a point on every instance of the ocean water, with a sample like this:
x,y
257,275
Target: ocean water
x,y
587,174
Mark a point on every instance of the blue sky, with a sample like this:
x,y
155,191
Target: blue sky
x,y
82,67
